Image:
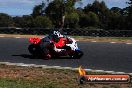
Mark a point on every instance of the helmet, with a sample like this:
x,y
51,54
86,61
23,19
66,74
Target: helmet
x,y
57,33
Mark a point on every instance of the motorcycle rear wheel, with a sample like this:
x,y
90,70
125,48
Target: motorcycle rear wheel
x,y
34,49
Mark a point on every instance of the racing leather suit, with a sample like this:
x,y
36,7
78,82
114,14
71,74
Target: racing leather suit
x,y
59,46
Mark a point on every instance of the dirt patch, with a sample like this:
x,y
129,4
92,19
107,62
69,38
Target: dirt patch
x,y
55,77
80,38
21,36
105,39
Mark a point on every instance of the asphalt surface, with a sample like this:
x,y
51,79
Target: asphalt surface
x,y
98,56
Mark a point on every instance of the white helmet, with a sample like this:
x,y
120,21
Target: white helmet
x,y
57,33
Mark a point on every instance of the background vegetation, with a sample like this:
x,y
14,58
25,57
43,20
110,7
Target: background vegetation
x,y
95,15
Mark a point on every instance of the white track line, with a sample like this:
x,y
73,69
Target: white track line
x,y
99,70
130,73
2,36
93,41
128,43
56,66
109,71
17,37
88,69
113,42
59,67
120,72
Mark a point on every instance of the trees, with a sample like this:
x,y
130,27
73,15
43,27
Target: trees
x,y
6,20
19,21
28,21
58,9
129,17
71,20
130,7
97,7
42,22
94,20
25,21
101,10
116,10
38,10
56,12
89,20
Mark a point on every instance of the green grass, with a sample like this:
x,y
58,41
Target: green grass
x,y
21,83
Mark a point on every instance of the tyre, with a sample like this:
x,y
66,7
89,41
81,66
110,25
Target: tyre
x,y
77,55
34,49
82,80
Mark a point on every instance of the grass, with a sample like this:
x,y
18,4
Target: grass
x,y
31,77
16,83
118,38
105,39
122,38
21,83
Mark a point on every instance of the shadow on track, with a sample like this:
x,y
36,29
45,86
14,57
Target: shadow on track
x,y
34,57
26,56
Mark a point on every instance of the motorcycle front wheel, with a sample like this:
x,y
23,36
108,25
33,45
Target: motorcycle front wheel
x,y
77,54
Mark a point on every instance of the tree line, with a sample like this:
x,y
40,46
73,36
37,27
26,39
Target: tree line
x,y
93,16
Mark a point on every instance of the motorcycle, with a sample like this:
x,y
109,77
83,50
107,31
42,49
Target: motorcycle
x,y
46,48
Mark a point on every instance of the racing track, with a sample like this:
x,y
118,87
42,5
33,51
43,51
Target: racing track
x,y
101,56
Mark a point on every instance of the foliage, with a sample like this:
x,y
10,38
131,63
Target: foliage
x,y
129,18
42,22
54,12
72,20
96,15
90,19
24,21
58,8
6,20
38,10
130,7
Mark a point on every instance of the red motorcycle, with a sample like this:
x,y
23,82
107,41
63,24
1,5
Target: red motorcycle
x,y
47,48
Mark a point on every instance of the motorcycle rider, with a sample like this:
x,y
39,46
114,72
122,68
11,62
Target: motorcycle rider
x,y
59,41
56,39
55,45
